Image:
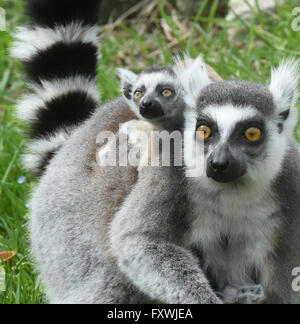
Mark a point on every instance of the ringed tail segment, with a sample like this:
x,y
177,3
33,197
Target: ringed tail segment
x,y
59,50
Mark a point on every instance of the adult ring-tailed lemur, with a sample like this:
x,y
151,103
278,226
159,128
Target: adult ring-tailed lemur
x,y
91,248
243,207
75,201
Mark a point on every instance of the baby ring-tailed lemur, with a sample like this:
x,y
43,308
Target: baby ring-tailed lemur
x,y
75,201
243,214
155,96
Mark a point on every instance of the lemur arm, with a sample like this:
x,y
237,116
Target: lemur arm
x,y
282,288
59,50
146,236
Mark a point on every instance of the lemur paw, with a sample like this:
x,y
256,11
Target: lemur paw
x,y
137,145
139,135
244,295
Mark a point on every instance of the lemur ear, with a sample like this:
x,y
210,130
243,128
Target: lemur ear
x,y
284,88
128,78
193,75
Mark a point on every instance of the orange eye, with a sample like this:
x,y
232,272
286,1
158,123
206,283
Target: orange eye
x,y
137,95
253,134
167,93
204,132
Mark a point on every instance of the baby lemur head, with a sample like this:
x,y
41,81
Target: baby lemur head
x,y
155,95
245,129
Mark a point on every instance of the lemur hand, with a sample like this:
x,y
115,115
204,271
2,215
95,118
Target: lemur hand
x,y
133,145
139,142
244,295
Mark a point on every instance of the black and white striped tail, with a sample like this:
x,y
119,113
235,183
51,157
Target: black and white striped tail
x,y
59,50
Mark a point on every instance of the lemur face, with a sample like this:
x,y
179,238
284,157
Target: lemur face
x,y
232,120
155,94
244,128
234,139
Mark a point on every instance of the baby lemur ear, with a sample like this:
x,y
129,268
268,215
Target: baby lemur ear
x,y
284,88
193,75
128,78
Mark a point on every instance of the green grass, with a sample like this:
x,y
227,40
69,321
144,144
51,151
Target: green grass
x,y
261,42
21,283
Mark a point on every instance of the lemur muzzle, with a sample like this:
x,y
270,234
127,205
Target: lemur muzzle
x,y
151,109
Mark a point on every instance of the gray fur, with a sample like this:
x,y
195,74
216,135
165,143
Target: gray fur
x,y
96,240
238,93
142,258
247,229
71,210
86,243
274,274
287,251
149,244
156,69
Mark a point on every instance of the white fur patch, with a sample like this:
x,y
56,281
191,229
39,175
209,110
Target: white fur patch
x,y
126,76
193,76
284,88
228,116
28,106
38,149
151,80
194,168
49,90
244,218
284,84
31,40
139,138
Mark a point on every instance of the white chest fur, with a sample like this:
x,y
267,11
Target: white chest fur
x,y
235,230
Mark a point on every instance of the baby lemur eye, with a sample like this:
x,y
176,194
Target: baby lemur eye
x,y
204,132
167,93
138,95
253,134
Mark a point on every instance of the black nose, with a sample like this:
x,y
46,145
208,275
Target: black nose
x,y
147,104
151,109
224,167
219,165
220,159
